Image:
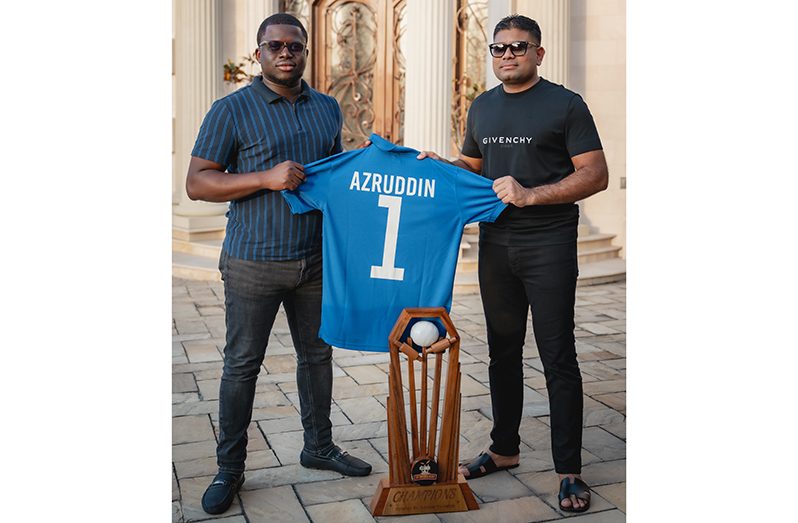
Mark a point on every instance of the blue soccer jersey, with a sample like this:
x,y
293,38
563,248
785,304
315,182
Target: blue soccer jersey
x,y
390,236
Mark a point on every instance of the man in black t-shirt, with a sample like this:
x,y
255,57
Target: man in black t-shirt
x,y
539,143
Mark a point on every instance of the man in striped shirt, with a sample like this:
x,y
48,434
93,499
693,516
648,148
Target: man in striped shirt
x,y
253,144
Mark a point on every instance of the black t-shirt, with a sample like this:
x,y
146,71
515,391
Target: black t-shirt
x,y
530,136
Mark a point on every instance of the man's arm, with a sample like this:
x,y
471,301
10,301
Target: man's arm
x,y
207,181
464,162
589,177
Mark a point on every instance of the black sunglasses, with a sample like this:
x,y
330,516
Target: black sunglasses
x,y
517,48
275,46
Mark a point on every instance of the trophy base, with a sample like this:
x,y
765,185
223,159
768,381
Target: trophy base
x,y
401,500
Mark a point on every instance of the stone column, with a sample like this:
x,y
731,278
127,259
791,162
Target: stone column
x,y
253,13
427,45
197,84
553,16
497,9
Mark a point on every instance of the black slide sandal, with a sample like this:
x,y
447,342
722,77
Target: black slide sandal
x,y
578,489
483,465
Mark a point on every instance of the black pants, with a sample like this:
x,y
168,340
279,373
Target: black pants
x,y
511,280
253,292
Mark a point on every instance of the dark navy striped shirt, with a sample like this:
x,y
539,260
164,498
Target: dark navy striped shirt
x,y
254,129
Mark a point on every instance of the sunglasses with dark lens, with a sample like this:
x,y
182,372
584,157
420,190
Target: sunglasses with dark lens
x,y
275,46
517,48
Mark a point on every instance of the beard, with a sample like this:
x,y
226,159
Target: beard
x,y
286,79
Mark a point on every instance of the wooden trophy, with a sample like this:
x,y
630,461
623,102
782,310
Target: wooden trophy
x,y
427,481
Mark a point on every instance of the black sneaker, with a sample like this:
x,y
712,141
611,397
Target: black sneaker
x,y
220,493
335,460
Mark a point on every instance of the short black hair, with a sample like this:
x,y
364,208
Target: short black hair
x,y
280,19
519,22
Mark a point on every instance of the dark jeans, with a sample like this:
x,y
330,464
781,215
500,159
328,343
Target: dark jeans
x,y
253,292
511,280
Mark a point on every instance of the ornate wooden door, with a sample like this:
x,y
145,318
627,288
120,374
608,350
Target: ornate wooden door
x,y
356,57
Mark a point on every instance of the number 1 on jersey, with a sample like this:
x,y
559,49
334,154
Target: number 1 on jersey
x,y
387,271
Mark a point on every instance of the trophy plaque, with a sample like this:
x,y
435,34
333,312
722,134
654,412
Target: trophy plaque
x,y
427,480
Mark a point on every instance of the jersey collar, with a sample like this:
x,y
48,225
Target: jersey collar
x,y
384,145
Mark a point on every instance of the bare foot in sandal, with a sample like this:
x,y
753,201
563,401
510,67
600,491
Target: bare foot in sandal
x,y
486,463
574,495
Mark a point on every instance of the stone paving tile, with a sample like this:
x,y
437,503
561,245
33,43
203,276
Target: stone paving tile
x,y
375,429
598,328
365,374
338,490
209,389
345,387
478,371
283,377
280,364
413,518
286,475
601,387
186,429
609,516
274,398
470,387
362,410
287,446
275,426
272,505
617,314
604,472
535,433
617,429
202,351
520,510
261,459
497,486
213,372
603,444
183,382
474,402
615,493
615,400
196,468
618,364
192,408
184,397
192,451
268,413
190,327
256,439
348,358
534,379
350,511
213,310
602,417
600,371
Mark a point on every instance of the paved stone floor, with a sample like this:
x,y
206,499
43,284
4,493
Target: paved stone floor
x,y
278,489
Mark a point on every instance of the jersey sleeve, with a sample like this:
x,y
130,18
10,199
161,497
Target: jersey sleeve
x,y
476,199
312,193
470,147
581,134
216,140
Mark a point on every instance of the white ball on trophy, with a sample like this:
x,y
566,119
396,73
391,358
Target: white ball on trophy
x,y
424,333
